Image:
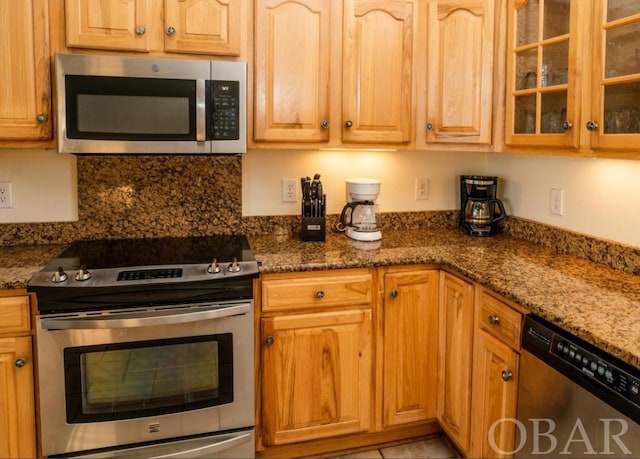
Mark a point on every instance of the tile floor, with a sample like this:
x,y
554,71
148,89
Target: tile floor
x,y
431,448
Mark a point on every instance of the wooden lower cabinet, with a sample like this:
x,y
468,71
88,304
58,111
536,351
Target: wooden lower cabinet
x,y
455,353
496,355
353,358
316,375
410,339
17,405
494,395
346,359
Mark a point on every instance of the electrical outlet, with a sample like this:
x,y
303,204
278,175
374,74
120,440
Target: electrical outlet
x,y
555,201
289,190
6,200
422,189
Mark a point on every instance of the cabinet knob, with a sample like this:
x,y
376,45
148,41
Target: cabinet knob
x,y
42,118
319,294
429,126
494,320
325,124
348,124
592,125
394,294
19,363
269,340
171,31
506,375
140,30
567,125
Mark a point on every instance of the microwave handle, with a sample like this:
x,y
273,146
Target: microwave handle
x,y
201,111
143,318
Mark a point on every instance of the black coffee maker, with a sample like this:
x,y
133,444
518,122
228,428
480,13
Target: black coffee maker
x,y
480,210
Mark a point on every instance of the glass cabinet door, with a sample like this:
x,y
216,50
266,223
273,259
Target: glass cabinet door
x,y
538,108
615,122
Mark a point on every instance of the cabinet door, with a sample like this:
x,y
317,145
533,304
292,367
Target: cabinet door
x,y
378,61
203,26
117,24
316,375
615,114
17,410
494,395
292,88
459,71
24,74
544,58
455,346
410,341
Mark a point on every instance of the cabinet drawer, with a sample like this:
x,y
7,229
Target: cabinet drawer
x,y
299,291
15,314
500,320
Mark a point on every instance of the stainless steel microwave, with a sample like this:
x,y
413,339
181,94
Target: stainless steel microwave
x,y
140,105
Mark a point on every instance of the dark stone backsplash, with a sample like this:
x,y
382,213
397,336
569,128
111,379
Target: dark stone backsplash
x,y
176,196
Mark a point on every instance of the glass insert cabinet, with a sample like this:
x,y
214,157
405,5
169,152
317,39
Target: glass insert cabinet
x,y
573,74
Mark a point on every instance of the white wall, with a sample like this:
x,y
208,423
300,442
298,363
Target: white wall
x,y
263,172
601,196
44,186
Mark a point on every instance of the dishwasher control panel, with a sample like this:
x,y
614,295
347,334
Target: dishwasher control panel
x,y
592,363
597,368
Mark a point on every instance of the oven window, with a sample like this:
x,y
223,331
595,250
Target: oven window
x,y
131,380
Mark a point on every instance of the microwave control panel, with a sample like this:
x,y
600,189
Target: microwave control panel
x,y
225,110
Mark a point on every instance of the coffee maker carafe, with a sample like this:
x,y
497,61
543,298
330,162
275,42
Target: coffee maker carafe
x,y
360,218
480,210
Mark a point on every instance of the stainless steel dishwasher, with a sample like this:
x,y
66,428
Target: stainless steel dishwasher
x,y
574,400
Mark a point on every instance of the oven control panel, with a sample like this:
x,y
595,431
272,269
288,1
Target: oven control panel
x,y
145,274
597,368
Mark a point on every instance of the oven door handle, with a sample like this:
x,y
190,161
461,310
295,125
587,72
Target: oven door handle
x,y
208,450
144,318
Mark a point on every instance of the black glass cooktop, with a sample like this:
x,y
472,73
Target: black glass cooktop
x,y
122,253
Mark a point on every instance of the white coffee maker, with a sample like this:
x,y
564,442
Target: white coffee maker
x,y
360,217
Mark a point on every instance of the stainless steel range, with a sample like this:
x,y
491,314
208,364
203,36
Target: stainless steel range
x,y
145,348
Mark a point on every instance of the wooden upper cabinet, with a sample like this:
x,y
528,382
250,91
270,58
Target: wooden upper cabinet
x,y
25,91
459,72
117,24
180,26
378,61
203,26
573,76
333,73
292,81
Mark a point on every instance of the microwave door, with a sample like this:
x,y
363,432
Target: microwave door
x,y
121,105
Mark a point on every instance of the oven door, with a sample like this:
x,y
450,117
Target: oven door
x,y
118,378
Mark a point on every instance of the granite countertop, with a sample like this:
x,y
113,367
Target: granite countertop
x,y
19,262
595,302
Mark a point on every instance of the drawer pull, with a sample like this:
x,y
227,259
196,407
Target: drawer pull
x,y
394,294
319,294
269,340
19,363
494,320
506,375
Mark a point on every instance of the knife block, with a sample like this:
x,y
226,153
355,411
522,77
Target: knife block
x,y
313,229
